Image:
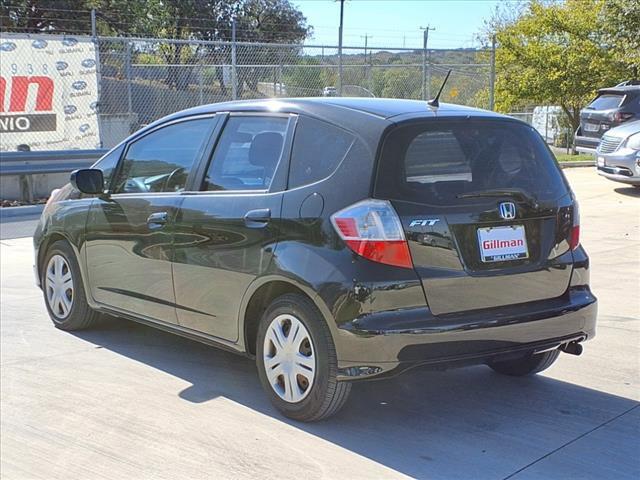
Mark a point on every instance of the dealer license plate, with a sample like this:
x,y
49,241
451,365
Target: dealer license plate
x,y
499,244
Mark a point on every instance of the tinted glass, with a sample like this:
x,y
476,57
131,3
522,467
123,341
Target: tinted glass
x,y
161,161
605,102
247,154
433,162
318,149
107,164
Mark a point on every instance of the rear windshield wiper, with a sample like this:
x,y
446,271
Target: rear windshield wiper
x,y
505,192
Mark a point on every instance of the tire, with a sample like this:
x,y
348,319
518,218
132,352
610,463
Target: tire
x,y
529,364
71,312
316,394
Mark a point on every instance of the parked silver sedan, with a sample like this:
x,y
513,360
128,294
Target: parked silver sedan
x,y
618,154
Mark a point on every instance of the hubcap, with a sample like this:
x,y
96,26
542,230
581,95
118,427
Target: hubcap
x,y
59,286
289,358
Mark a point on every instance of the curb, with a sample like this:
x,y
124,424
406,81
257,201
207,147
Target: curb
x,y
24,211
581,164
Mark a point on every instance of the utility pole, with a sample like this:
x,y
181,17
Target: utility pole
x,y
426,71
340,48
366,37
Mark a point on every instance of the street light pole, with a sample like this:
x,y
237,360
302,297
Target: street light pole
x,y
340,48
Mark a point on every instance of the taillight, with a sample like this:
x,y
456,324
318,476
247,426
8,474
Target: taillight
x,y
574,238
372,229
622,116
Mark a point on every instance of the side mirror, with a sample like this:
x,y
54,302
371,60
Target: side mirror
x,y
88,180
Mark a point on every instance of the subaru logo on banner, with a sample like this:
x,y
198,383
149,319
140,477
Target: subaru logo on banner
x,y
7,46
507,210
79,85
39,44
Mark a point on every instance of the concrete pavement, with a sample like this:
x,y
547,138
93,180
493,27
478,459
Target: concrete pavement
x,y
127,401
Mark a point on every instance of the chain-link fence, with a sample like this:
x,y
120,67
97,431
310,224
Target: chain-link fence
x,y
140,79
551,122
144,79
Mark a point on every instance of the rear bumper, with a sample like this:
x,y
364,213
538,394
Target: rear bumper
x,y
586,144
387,343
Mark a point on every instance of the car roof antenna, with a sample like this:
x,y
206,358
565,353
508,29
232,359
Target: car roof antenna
x,y
435,101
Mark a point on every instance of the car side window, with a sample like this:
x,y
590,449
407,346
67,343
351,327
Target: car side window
x,y
247,154
318,150
161,161
108,164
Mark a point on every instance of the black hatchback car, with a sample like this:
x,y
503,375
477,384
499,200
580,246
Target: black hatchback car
x,y
332,239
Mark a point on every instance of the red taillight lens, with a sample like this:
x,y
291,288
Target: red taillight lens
x,y
622,116
574,238
372,229
574,241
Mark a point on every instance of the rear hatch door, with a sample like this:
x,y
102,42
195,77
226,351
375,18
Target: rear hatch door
x,y
597,117
486,211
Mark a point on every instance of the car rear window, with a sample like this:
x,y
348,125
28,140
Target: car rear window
x,y
436,161
606,102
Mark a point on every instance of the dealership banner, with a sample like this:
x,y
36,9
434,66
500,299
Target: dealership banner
x,y
48,92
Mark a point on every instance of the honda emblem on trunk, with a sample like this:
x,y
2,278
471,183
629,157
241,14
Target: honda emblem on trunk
x,y
507,210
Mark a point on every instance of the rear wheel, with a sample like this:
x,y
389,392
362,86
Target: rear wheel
x,y
63,290
528,364
297,361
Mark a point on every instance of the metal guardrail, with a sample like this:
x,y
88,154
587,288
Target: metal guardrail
x,y
57,161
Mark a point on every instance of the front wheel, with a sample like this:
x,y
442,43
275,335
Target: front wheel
x,y
528,364
297,361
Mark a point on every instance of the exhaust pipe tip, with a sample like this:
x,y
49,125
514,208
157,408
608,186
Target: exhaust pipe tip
x,y
573,348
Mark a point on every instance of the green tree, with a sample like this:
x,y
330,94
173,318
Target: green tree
x,y
398,82
256,21
621,23
555,53
32,16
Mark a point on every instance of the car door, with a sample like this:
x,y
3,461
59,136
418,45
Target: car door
x,y
129,230
225,234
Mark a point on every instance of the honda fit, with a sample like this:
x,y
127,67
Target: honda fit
x,y
334,240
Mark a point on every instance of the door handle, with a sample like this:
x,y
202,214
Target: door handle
x,y
257,218
157,219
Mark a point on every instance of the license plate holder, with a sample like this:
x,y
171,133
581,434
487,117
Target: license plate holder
x,y
502,244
